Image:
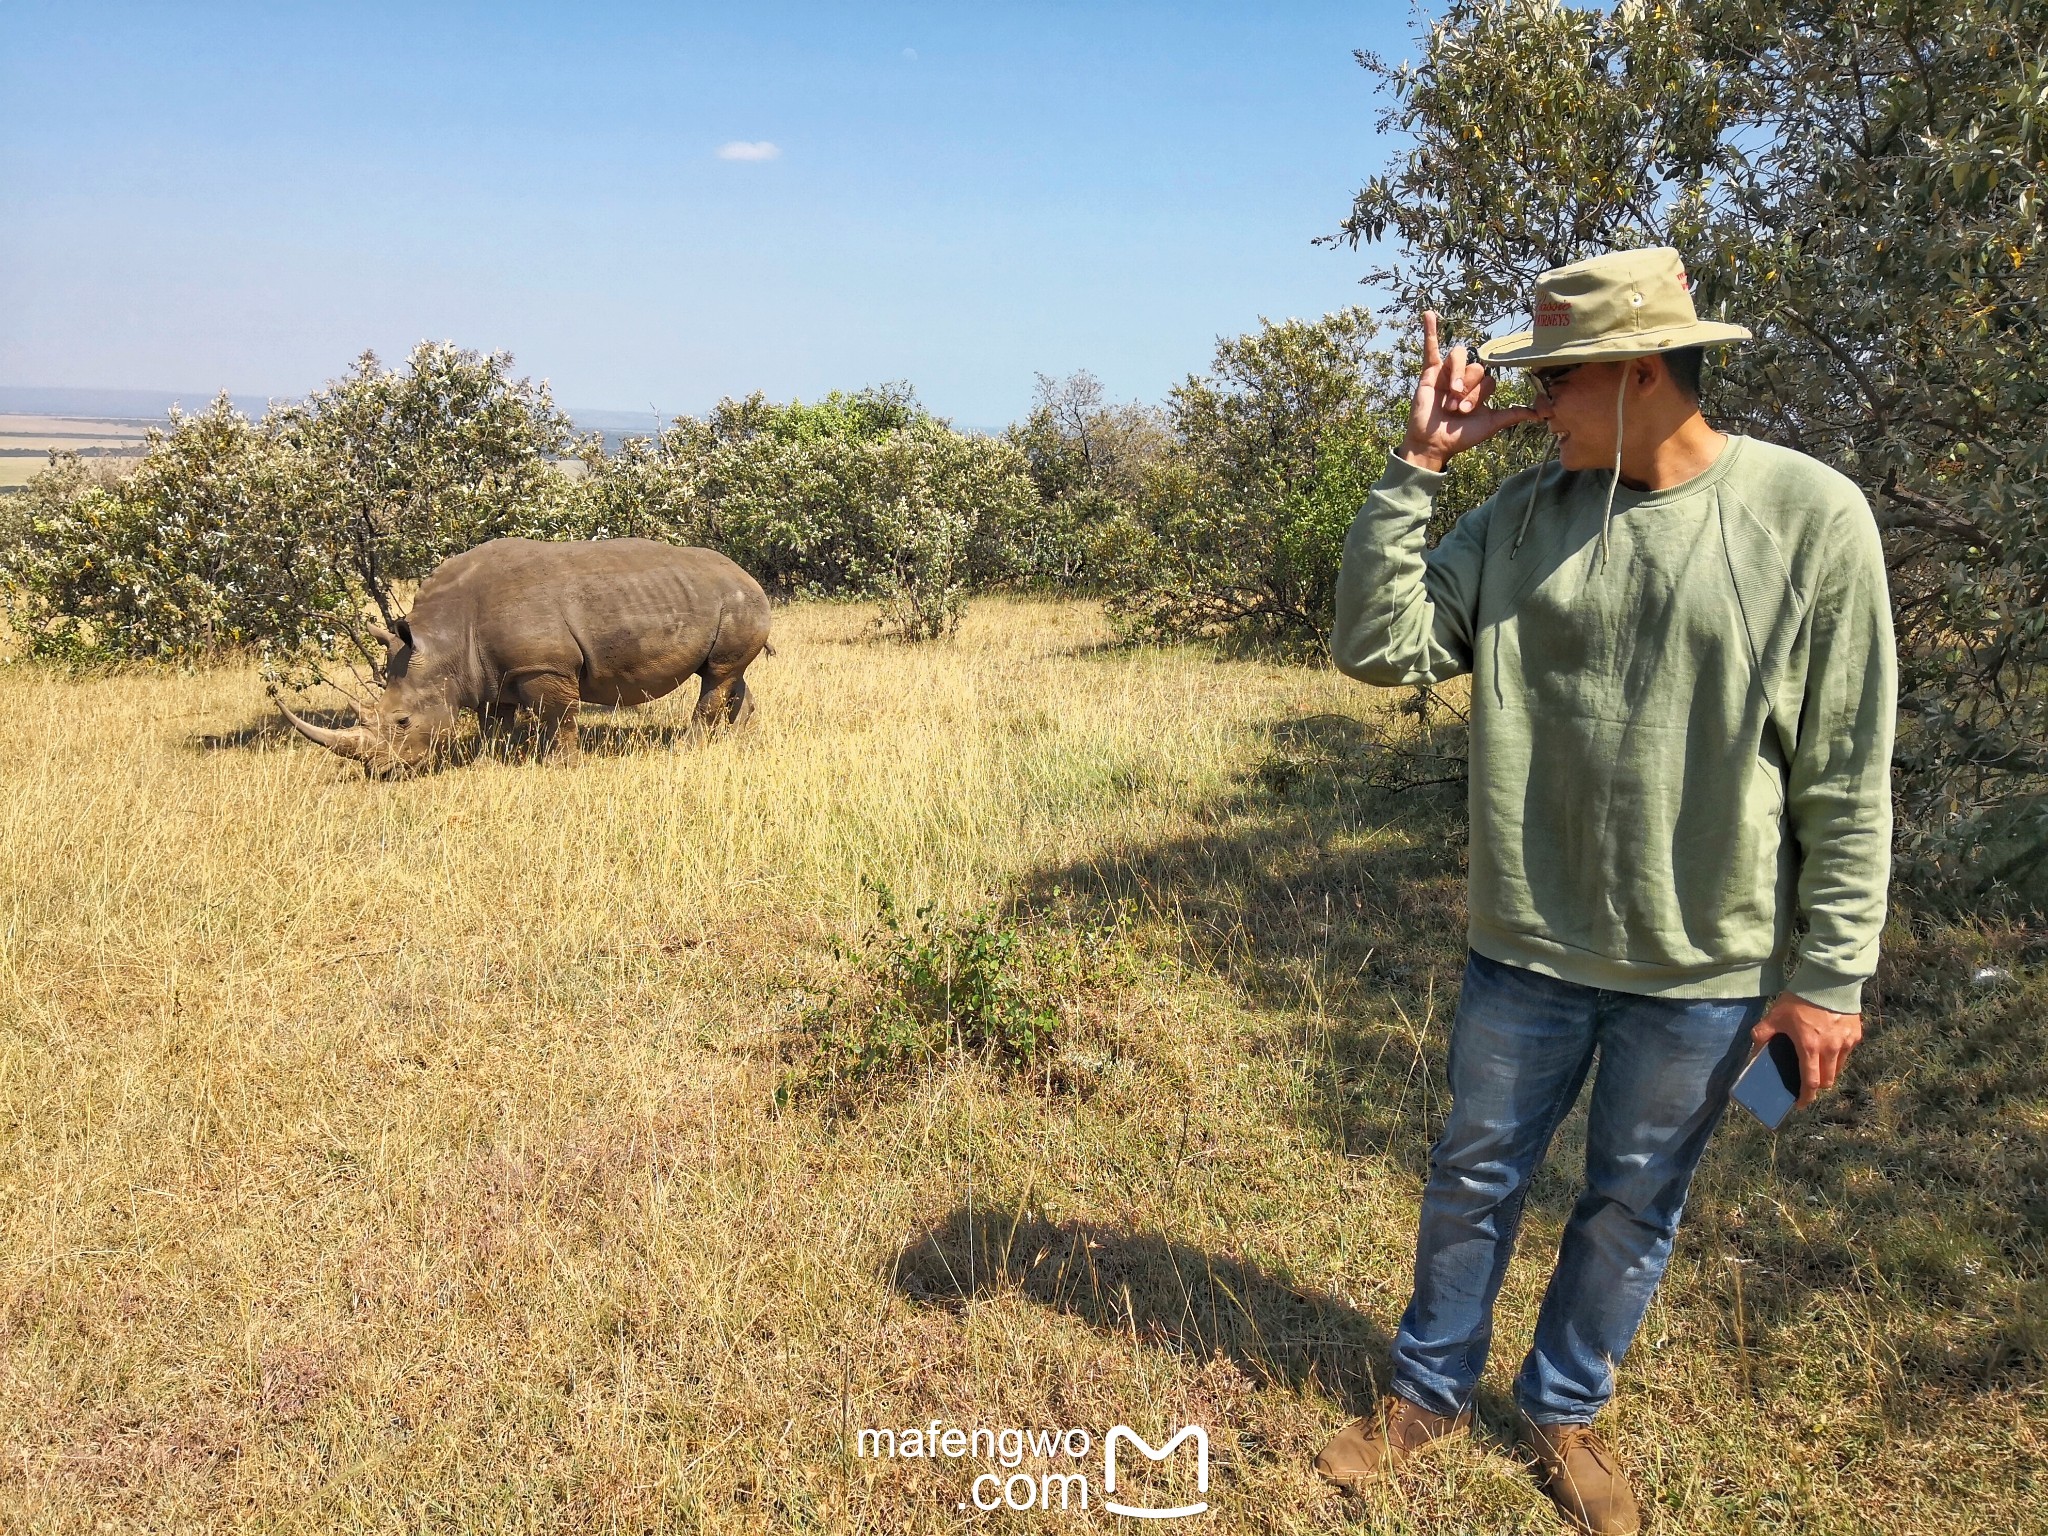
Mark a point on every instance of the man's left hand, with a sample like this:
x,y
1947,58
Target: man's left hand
x,y
1823,1040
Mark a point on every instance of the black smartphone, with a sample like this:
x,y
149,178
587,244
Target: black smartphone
x,y
1769,1085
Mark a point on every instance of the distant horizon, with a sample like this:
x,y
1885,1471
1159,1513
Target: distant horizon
x,y
122,403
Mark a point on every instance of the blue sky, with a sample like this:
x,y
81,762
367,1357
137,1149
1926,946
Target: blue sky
x,y
209,195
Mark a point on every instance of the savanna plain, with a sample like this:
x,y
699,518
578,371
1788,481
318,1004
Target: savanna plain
x,y
26,443
452,1154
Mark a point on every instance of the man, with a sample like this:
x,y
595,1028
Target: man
x,y
1683,690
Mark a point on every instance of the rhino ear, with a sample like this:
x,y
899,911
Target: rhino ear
x,y
404,628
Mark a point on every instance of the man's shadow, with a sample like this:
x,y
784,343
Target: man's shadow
x,y
1155,1291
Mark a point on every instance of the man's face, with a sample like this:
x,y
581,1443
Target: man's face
x,y
1579,410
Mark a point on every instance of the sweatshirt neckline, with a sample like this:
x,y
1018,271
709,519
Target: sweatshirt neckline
x,y
1685,490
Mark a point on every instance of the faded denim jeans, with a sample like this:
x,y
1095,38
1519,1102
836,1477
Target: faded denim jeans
x,y
1521,1047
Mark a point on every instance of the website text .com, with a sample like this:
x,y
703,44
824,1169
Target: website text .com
x,y
1014,1488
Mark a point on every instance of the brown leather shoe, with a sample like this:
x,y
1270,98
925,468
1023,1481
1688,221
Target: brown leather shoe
x,y
1582,1477
1373,1449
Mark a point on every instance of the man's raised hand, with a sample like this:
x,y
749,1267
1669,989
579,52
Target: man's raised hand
x,y
1450,413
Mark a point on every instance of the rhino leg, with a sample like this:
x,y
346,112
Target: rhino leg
x,y
553,698
494,724
722,701
725,698
560,743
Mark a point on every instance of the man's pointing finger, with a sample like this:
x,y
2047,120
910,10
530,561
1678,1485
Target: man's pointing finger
x,y
1430,355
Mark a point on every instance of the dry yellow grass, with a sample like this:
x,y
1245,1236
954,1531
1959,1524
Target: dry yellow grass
x,y
405,1157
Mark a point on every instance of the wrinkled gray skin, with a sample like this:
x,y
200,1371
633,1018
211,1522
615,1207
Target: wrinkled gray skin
x,y
525,625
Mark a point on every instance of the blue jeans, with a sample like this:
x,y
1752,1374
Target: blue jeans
x,y
1521,1047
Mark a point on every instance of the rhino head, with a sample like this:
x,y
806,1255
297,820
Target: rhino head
x,y
414,719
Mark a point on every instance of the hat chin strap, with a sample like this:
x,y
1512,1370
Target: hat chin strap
x,y
1607,512
1529,506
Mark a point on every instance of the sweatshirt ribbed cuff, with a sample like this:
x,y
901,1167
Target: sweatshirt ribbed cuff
x,y
1827,989
1400,474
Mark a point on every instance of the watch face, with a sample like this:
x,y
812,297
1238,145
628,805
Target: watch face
x,y
1769,1085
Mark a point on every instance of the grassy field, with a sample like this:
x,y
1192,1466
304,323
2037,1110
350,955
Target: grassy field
x,y
409,1156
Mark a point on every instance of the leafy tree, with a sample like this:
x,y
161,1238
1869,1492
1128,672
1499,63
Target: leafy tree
x,y
405,468
284,536
952,513
1089,461
1862,185
195,555
1240,528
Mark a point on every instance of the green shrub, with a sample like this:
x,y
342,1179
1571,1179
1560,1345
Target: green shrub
x,y
284,536
197,554
922,988
858,495
1239,528
401,469
1089,462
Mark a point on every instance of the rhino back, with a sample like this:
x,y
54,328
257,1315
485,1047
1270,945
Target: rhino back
x,y
628,619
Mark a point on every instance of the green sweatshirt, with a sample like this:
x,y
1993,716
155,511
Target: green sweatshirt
x,y
1674,753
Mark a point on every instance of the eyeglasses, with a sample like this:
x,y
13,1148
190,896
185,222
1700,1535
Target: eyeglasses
x,y
1546,380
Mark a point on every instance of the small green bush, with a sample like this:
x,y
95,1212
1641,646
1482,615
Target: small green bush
x,y
923,988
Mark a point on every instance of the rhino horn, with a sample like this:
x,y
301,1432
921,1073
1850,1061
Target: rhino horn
x,y
356,742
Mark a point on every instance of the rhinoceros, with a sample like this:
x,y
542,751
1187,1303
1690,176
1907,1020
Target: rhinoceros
x,y
524,624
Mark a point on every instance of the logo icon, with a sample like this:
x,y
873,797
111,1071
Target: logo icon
x,y
1193,1432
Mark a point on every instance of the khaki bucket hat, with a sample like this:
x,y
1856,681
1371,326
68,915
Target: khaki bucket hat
x,y
1623,304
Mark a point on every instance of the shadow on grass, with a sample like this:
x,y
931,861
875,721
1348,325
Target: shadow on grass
x,y
1915,1195
1918,1189
1325,896
622,735
1157,1291
271,729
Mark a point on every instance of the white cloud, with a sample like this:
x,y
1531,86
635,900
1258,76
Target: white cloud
x,y
741,149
